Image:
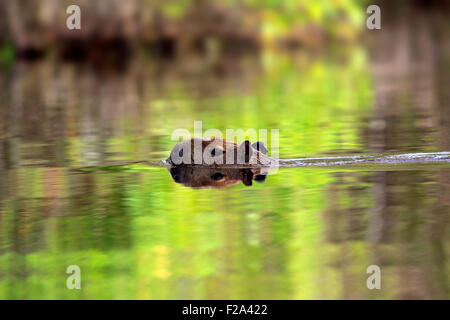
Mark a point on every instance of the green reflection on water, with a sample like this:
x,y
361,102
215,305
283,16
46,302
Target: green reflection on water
x,y
303,234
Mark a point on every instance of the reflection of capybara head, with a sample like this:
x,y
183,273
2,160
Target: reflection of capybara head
x,y
214,177
218,152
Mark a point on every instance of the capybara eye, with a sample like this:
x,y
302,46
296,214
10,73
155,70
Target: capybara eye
x,y
217,176
181,153
216,152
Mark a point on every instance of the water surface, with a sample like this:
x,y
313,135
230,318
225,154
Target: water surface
x,y
305,233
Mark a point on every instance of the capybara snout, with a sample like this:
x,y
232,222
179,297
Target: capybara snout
x,y
217,152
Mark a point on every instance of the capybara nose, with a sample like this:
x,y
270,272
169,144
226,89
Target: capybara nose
x,y
176,174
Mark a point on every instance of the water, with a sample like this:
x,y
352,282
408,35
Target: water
x,y
71,192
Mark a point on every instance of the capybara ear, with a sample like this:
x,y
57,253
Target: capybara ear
x,y
260,147
247,177
244,152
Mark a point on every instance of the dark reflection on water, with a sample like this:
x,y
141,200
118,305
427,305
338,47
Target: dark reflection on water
x,y
196,177
304,233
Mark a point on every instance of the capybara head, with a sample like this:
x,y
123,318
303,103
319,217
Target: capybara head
x,y
217,152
